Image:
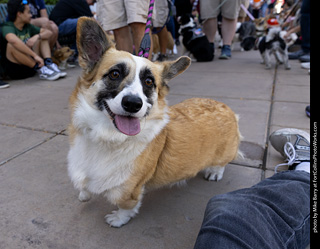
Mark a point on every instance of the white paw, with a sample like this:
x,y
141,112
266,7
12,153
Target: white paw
x,y
214,173
119,217
84,196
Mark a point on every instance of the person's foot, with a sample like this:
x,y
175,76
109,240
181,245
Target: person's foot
x,y
47,74
305,65
308,111
305,58
162,57
225,52
292,144
4,84
55,68
296,55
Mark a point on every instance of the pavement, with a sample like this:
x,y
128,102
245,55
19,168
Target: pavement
x,y
39,206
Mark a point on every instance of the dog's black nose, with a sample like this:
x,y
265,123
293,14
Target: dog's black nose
x,y
131,103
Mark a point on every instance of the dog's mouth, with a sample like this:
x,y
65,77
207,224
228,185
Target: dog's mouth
x,y
128,125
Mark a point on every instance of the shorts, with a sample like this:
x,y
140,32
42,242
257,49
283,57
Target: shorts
x,y
211,8
114,14
17,72
246,4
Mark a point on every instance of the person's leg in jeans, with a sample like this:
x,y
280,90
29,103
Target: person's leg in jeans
x,y
69,27
274,213
304,54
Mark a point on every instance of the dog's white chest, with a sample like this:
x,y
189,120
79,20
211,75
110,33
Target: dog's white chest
x,y
99,166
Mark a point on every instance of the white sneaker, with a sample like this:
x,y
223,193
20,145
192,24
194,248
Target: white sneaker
x,y
305,65
55,68
47,74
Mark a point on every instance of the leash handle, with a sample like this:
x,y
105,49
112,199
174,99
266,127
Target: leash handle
x,y
146,40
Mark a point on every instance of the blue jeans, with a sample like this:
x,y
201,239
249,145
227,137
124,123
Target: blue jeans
x,y
305,25
274,213
68,27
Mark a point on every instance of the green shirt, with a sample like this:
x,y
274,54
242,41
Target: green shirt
x,y
24,35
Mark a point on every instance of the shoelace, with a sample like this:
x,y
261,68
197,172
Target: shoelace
x,y
291,156
55,67
46,70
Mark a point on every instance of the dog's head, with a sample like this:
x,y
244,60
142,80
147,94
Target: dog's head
x,y
186,21
63,53
121,89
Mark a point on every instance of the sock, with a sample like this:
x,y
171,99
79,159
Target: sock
x,y
304,166
36,67
47,61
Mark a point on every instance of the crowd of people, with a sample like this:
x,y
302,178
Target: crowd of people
x,y
30,35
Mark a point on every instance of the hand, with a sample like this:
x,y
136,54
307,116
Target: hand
x,y
39,60
30,43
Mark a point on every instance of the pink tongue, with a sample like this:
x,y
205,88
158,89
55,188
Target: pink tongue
x,y
128,125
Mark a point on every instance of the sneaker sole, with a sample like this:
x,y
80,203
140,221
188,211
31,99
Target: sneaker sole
x,y
57,76
224,57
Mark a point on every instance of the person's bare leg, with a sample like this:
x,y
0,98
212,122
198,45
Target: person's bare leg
x,y
17,57
44,49
163,40
123,39
138,33
228,29
210,28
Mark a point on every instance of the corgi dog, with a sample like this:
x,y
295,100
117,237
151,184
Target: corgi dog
x,y
125,139
61,55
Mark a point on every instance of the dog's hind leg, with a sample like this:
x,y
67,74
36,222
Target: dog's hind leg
x,y
214,173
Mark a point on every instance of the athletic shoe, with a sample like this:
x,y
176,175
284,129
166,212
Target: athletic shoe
x,y
225,52
305,65
4,84
55,68
308,111
47,74
296,55
293,145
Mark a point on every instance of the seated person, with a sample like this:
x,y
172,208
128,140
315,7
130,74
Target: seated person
x,y
40,19
66,13
27,50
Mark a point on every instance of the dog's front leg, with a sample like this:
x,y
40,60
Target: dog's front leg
x,y
122,216
128,205
286,60
267,59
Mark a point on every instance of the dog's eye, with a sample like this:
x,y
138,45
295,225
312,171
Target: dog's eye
x,y
114,74
148,82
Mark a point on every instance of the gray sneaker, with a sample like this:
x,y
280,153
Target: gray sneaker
x,y
293,145
55,68
47,74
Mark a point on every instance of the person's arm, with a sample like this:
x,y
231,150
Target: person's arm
x,y
23,48
44,34
44,13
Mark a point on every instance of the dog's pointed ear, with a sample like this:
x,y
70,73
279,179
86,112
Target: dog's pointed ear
x,y
92,42
173,68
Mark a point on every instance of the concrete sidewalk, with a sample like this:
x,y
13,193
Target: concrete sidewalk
x,y
39,206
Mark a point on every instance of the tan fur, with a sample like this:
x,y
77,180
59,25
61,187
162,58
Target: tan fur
x,y
156,45
61,55
201,132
